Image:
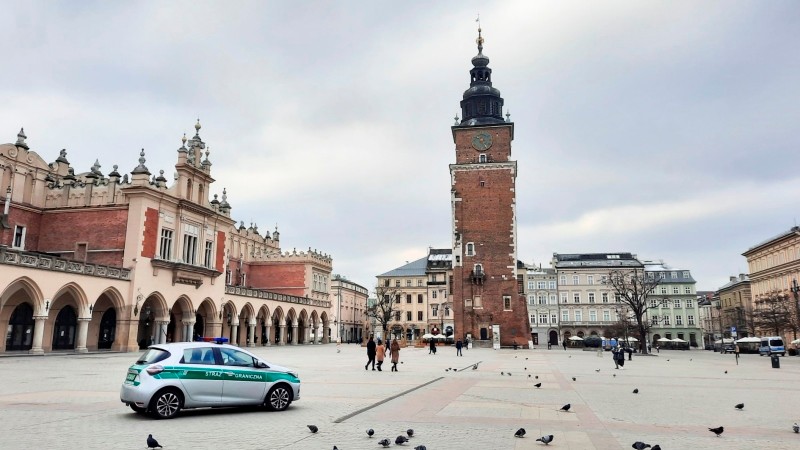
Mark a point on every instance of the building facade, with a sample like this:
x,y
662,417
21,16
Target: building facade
x,y
439,272
673,309
540,286
348,310
119,261
736,307
408,286
774,267
488,307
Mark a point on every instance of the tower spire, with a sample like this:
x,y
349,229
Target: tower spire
x,y
482,103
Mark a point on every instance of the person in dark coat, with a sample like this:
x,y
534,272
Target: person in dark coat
x,y
395,347
459,346
370,353
433,347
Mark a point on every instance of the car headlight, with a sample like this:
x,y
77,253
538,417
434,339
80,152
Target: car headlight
x,y
294,374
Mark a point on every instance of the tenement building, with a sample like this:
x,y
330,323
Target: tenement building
x,y
540,287
121,260
488,307
673,311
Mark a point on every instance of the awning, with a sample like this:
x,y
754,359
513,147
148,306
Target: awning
x,y
664,340
576,338
752,339
678,340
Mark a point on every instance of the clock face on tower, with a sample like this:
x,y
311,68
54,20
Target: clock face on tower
x,y
482,141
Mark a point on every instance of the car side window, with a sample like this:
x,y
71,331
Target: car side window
x,y
231,357
198,356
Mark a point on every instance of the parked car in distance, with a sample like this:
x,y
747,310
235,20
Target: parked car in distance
x,y
728,348
771,345
170,377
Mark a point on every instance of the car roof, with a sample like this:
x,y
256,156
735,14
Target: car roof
x,y
175,346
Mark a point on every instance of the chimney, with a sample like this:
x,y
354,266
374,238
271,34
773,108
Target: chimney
x,y
733,278
741,276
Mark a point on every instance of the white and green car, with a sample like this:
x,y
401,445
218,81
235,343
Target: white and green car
x,y
171,377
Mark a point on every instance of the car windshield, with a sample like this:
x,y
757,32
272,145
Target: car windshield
x,y
776,342
153,355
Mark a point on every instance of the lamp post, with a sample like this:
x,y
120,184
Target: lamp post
x,y
796,292
721,333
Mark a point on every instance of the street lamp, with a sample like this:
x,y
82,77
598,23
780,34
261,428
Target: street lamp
x,y
796,292
721,333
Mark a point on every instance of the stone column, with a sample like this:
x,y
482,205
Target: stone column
x,y
189,334
307,333
38,335
83,330
294,334
282,329
234,334
252,331
325,338
268,340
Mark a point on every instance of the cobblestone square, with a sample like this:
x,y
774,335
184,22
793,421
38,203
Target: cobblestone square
x,y
72,401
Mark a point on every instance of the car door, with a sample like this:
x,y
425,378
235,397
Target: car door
x,y
201,377
244,383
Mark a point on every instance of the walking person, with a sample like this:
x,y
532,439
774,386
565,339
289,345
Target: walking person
x,y
621,357
371,347
395,347
736,353
380,354
614,352
565,344
432,348
459,345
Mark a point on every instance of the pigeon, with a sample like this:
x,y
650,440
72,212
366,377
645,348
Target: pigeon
x,y
410,432
400,440
509,373
526,368
537,377
638,445
690,360
717,431
313,428
475,367
529,375
335,448
615,375
636,391
566,407
739,406
545,439
656,447
597,370
570,356
526,358
573,379
726,371
152,443
384,442
370,432
515,357
520,433
420,447
502,373
796,428
538,385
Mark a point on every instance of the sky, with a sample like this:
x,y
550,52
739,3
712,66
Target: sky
x,y
668,129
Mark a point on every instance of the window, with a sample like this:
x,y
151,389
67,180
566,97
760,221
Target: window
x,y
552,284
654,303
19,237
607,315
531,285
408,316
553,299
531,299
506,302
685,274
397,316
578,315
209,246
420,283
589,279
593,316
397,299
690,320
228,277
650,275
662,275
563,297
689,303
666,320
674,275
665,303
419,316
687,290
617,298
478,269
553,318
575,279
678,320
542,299
563,279
408,298
591,297
435,311
482,158
677,303
190,243
447,309
419,298
576,297
386,283
605,297
675,290
542,317
664,290
532,319
396,283
408,283
654,320
433,294
541,285
165,249
470,249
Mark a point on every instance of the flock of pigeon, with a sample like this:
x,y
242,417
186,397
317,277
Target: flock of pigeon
x,y
399,440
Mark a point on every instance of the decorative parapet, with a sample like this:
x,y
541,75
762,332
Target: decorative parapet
x,y
47,262
266,295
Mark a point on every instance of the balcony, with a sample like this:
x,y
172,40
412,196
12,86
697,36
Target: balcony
x,y
477,277
185,273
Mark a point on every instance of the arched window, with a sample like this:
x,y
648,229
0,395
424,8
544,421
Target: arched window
x,y
470,249
188,189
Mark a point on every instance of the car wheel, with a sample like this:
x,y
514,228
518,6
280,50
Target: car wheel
x,y
279,397
138,409
166,404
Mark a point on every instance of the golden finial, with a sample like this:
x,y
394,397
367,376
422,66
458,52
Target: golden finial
x,y
479,41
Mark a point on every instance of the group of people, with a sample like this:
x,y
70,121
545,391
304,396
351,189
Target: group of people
x,y
378,352
459,347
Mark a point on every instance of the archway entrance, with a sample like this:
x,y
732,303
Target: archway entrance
x,y
146,327
289,331
301,326
20,328
64,330
484,334
276,328
108,329
553,337
199,326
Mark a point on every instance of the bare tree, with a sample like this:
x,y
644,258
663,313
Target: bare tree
x,y
632,288
771,314
386,307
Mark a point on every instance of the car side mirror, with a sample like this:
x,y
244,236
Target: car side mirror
x,y
263,365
